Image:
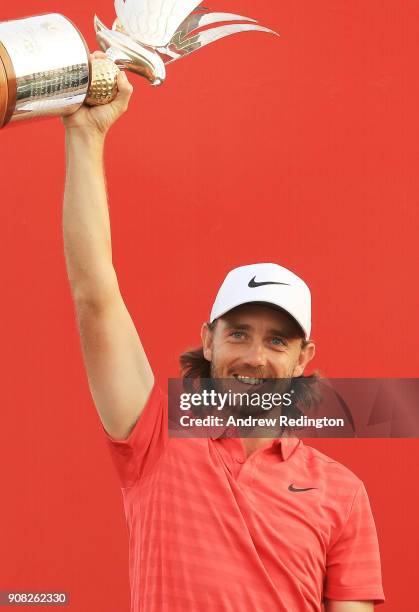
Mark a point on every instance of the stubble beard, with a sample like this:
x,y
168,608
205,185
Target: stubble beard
x,y
272,385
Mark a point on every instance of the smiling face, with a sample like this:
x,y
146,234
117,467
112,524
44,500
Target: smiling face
x,y
254,341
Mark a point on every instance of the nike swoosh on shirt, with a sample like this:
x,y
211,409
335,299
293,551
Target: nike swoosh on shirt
x,y
254,283
295,490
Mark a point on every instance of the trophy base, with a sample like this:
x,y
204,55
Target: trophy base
x,y
45,61
7,87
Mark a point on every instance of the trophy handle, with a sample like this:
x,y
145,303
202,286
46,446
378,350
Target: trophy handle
x,y
103,87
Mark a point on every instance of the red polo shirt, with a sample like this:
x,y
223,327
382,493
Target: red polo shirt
x,y
212,530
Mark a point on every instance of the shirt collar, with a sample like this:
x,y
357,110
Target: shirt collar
x,y
286,445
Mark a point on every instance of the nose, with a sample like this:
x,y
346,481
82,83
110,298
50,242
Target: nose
x,y
255,356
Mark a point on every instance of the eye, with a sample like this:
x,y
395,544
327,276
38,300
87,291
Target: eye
x,y
277,341
237,334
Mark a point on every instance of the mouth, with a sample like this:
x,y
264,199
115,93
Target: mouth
x,y
250,380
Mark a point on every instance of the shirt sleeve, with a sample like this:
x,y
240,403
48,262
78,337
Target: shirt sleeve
x,y
353,568
136,456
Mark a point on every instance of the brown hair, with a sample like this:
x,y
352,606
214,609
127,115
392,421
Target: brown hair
x,y
193,363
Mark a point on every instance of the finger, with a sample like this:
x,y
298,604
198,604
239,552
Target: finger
x,y
98,55
123,83
125,90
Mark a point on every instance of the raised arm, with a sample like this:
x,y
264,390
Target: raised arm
x,y
119,374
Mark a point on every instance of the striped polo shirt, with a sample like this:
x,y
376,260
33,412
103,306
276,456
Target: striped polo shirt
x,y
211,529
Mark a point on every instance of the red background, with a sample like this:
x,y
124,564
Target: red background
x,y
301,150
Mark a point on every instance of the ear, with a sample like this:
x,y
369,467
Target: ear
x,y
306,355
207,341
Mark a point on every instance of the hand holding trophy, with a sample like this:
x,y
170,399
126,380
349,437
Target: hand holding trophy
x,y
100,118
46,68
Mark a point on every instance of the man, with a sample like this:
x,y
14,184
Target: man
x,y
217,524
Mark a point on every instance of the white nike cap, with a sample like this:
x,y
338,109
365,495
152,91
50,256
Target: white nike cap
x,y
267,283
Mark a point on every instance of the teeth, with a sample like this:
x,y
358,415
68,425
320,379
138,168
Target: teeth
x,y
248,380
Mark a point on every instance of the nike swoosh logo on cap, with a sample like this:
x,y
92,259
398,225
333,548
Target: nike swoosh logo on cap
x,y
253,283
